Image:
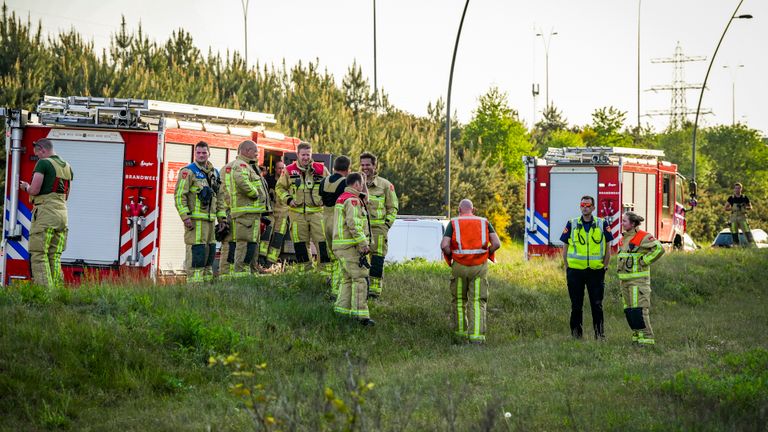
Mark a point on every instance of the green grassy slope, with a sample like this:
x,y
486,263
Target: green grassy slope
x,y
135,358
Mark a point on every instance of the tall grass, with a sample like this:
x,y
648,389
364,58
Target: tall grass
x,y
135,357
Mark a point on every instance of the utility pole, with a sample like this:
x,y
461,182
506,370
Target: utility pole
x,y
375,69
547,41
734,69
639,3
244,3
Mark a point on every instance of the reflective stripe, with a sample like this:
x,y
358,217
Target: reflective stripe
x,y
635,294
476,304
468,251
460,304
634,275
648,258
483,228
457,230
47,264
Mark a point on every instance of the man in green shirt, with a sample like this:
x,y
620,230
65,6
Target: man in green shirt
x,y
48,191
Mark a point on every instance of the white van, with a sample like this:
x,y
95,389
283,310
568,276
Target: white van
x,y
416,237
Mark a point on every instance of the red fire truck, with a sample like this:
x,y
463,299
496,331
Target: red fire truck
x,y
620,179
125,155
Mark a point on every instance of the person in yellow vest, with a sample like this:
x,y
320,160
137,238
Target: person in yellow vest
x,y
739,205
586,253
637,250
197,201
248,199
382,207
280,221
330,189
468,243
351,246
48,191
299,187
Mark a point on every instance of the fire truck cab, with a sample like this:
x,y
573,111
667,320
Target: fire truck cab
x,y
620,179
126,155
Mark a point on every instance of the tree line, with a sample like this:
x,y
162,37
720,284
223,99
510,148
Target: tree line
x,y
348,118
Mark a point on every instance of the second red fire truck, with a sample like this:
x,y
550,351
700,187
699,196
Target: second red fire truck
x,y
620,179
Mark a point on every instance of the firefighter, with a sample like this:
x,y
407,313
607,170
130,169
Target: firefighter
x,y
637,250
299,187
351,247
739,205
266,235
468,243
248,199
197,201
280,222
48,192
586,254
330,189
382,208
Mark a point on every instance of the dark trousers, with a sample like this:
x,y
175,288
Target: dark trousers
x,y
595,283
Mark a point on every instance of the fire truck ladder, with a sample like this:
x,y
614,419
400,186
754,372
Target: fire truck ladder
x,y
598,155
140,113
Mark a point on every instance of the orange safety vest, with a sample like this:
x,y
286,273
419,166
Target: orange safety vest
x,y
470,240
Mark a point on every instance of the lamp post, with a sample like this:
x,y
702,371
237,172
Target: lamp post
x,y
547,39
733,91
701,96
244,3
448,119
639,3
375,70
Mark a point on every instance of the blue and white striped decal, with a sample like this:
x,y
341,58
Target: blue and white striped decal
x,y
18,249
541,236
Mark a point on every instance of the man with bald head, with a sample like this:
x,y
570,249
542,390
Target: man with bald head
x,y
468,243
247,198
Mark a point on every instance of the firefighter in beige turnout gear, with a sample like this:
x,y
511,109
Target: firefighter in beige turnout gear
x,y
739,205
197,201
299,187
247,200
350,245
637,250
280,221
382,207
48,191
269,231
330,189
468,243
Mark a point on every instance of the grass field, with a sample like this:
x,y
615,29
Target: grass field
x,y
134,358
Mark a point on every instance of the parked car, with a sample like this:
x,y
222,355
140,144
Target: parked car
x,y
724,238
688,244
415,237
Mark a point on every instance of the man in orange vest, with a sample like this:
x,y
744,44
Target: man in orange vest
x,y
468,243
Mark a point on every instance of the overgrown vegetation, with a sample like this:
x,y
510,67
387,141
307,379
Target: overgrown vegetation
x,y
344,117
137,357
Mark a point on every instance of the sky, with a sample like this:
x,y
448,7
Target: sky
x,y
592,58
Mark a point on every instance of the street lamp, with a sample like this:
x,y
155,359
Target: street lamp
x,y
733,91
375,80
244,3
639,3
448,119
701,96
547,41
